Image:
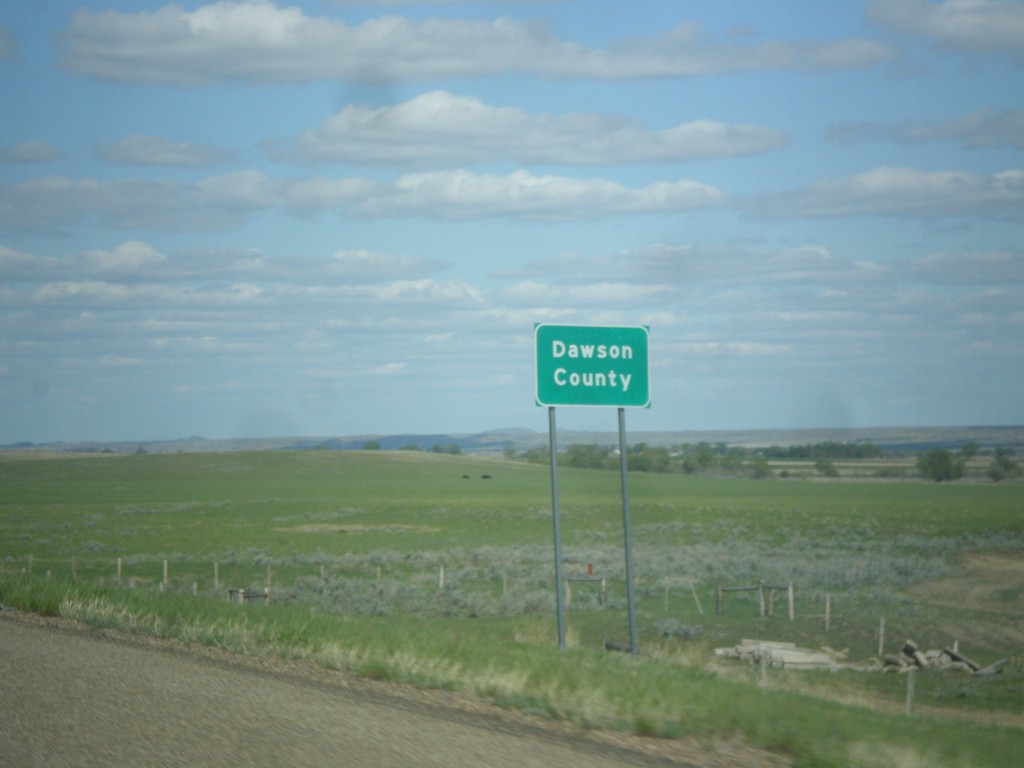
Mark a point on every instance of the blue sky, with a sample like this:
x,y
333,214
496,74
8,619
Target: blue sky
x,y
244,219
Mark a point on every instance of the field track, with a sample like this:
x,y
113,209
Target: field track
x,y
75,697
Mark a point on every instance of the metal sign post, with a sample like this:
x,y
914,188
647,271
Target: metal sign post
x,y
586,365
559,604
623,463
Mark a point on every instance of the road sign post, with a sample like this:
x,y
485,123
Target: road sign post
x,y
592,366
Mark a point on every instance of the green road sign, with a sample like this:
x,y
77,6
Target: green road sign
x,y
592,365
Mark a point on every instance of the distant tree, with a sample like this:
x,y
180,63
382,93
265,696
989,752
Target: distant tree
x,y
453,449
585,456
759,468
510,452
704,455
371,445
732,461
826,468
697,458
1001,466
939,465
643,458
541,455
969,450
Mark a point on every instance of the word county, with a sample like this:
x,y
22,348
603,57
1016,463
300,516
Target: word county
x,y
611,378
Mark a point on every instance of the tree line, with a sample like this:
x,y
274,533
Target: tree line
x,y
937,464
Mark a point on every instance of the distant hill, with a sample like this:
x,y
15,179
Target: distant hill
x,y
896,439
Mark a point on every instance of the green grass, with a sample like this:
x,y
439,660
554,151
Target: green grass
x,y
354,543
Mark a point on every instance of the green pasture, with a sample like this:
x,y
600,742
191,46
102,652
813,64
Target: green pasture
x,y
438,570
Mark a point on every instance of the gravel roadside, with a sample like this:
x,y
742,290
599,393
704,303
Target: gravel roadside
x,y
75,696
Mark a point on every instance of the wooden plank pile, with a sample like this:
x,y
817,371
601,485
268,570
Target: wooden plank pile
x,y
783,655
911,657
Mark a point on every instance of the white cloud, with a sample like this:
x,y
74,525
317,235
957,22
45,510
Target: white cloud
x,y
373,266
120,361
225,202
588,294
704,265
464,195
389,369
975,26
731,349
14,263
905,192
130,256
441,129
971,267
260,42
103,293
51,203
29,152
429,291
983,128
156,150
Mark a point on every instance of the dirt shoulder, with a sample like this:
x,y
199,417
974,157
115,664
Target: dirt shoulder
x,y
448,705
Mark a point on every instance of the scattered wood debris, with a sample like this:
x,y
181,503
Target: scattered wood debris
x,y
789,656
947,659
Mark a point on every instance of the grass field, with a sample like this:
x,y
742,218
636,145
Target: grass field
x,y
414,566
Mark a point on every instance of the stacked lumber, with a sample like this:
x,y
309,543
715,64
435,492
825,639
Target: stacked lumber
x,y
783,655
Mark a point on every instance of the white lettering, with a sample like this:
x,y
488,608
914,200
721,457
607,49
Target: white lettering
x,y
612,378
591,351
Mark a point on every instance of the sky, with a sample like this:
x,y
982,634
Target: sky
x,y
273,218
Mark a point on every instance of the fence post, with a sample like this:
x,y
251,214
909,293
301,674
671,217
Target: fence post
x,y
696,599
604,592
828,610
910,692
792,604
881,636
760,593
216,578
119,570
718,600
165,574
74,567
